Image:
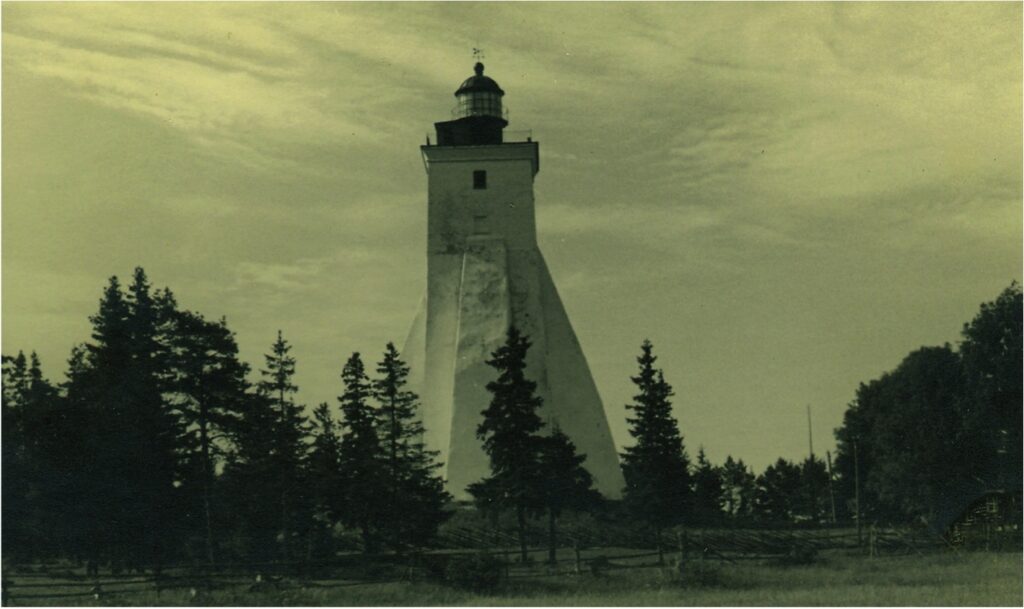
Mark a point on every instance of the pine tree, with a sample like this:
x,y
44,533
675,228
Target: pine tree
x,y
209,389
509,432
707,491
290,432
565,483
415,497
656,468
361,462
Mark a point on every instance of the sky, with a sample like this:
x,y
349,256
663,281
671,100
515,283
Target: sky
x,y
786,198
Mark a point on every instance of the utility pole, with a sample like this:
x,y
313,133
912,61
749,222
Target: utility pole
x,y
831,493
810,435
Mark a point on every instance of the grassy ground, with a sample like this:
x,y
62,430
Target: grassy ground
x,y
971,579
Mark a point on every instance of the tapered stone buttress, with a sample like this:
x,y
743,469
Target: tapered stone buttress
x,y
485,272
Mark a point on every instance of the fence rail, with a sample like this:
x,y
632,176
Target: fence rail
x,y
345,570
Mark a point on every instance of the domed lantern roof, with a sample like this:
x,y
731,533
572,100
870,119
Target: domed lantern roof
x,y
479,83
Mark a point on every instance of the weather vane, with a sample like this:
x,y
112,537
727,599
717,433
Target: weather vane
x,y
478,54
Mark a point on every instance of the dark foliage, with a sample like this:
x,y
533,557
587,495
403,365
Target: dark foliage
x,y
708,492
943,424
509,432
360,454
656,468
413,504
481,572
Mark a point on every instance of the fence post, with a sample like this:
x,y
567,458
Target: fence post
x,y
872,540
681,547
661,550
579,562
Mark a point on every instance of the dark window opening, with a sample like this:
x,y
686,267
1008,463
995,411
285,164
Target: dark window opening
x,y
479,180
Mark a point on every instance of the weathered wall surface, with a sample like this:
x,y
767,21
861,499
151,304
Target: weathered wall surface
x,y
485,272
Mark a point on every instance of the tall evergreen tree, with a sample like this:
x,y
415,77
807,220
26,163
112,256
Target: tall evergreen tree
x,y
130,460
656,468
509,431
290,432
361,462
565,483
415,497
209,389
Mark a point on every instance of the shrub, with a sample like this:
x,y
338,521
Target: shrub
x,y
798,555
477,572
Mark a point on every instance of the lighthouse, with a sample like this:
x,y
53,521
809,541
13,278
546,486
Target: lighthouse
x,y
485,273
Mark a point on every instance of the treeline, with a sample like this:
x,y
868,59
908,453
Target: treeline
x,y
942,428
158,448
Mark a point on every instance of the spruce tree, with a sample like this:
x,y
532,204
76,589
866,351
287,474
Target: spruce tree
x,y
656,467
361,462
130,458
707,491
565,483
414,494
290,432
323,468
509,431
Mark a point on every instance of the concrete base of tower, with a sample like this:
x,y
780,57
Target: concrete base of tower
x,y
472,298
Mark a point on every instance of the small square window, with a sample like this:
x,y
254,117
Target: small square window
x,y
479,180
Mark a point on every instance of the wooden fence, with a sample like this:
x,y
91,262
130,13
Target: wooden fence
x,y
29,584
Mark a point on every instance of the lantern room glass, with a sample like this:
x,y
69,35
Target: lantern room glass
x,y
479,103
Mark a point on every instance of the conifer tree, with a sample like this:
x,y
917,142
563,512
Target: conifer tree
x,y
415,498
778,492
251,480
16,478
509,431
738,486
129,462
707,491
324,469
290,431
209,389
656,468
565,483
361,463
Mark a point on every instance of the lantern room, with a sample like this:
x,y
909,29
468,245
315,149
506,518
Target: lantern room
x,y
478,117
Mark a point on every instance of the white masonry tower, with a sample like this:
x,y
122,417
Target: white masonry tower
x,y
484,273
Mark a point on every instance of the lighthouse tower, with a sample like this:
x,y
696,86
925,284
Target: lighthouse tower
x,y
485,273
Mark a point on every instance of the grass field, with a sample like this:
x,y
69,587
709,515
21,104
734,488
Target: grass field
x,y
964,579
